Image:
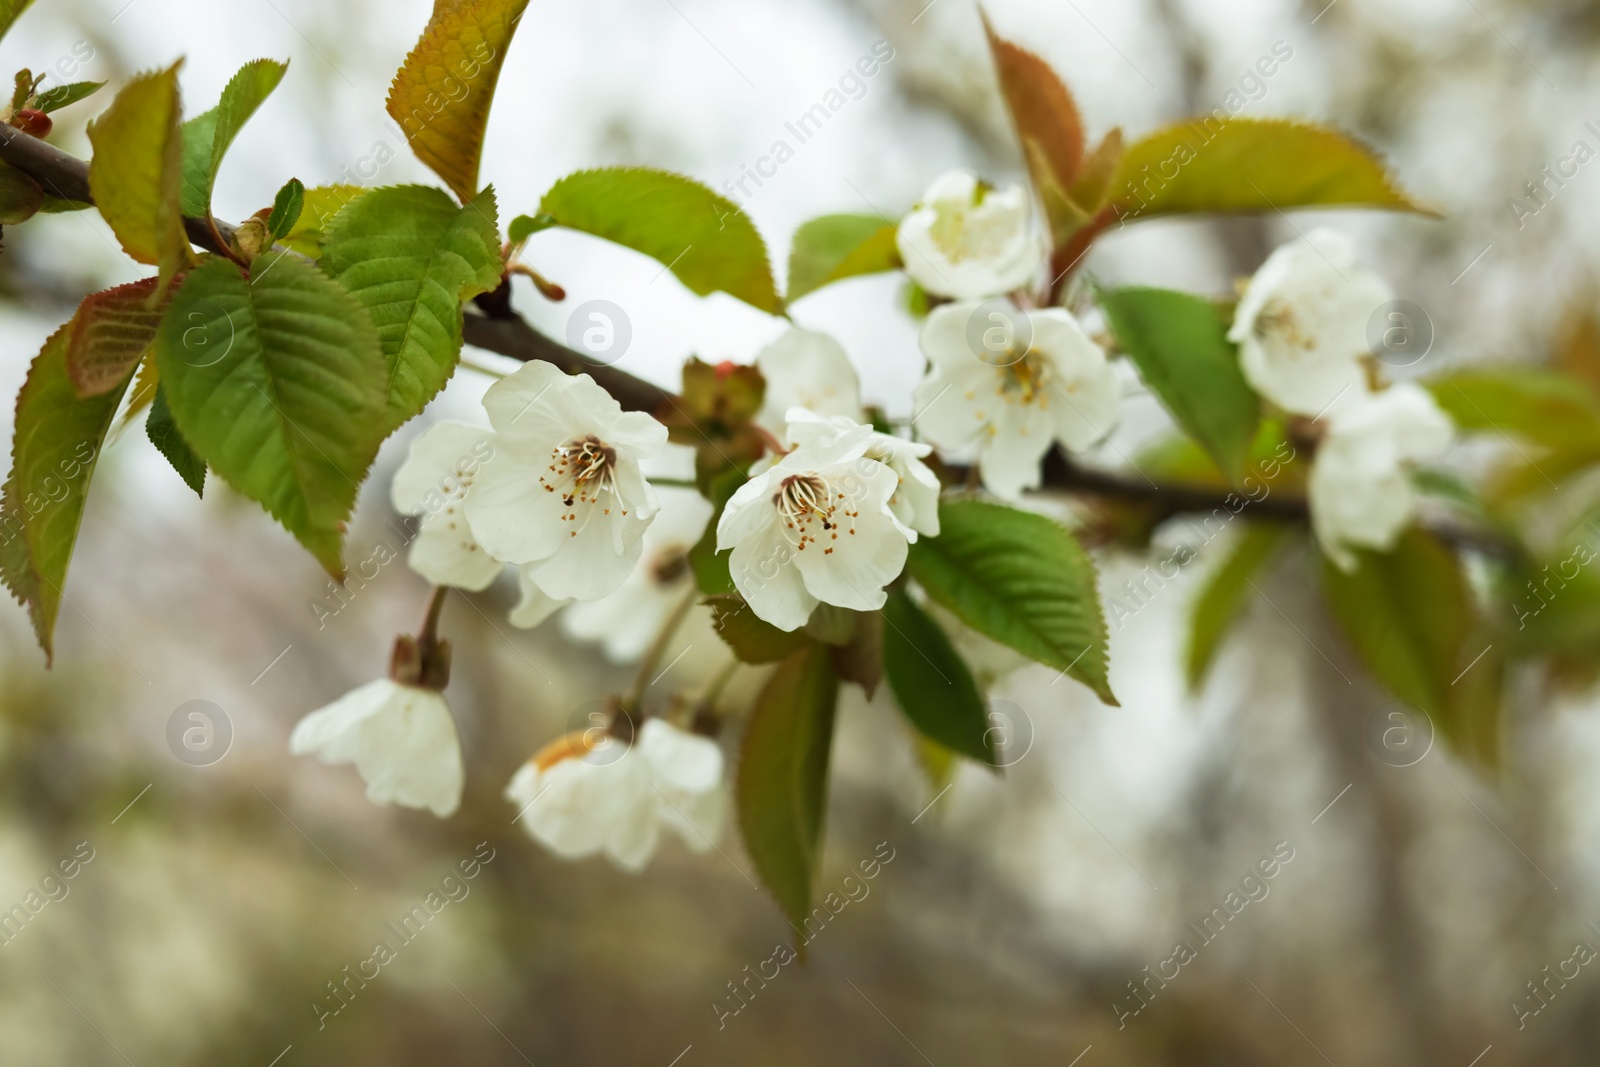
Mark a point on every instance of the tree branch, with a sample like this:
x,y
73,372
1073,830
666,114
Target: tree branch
x,y
496,327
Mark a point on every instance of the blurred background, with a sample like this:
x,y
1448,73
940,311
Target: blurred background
x,y
1018,911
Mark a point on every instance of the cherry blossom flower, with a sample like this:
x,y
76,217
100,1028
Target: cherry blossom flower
x,y
915,502
806,369
577,797
967,239
1359,489
401,739
433,483
815,527
563,492
1046,381
1301,326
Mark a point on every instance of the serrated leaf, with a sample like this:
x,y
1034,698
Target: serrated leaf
x,y
206,138
322,205
1020,579
1260,165
10,11
279,383
163,433
704,238
143,393
410,256
53,454
751,639
1221,599
20,196
782,783
110,334
1047,123
1180,345
931,682
136,174
1093,184
441,94
1406,613
59,96
834,247
286,208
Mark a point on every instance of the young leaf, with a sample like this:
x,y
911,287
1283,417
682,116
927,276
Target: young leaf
x,y
20,196
782,782
279,383
136,175
1226,588
834,247
1210,165
1020,579
59,96
286,208
751,639
206,138
1180,345
1551,409
703,237
442,93
410,256
163,433
322,205
58,440
1407,614
931,682
525,226
110,334
1047,123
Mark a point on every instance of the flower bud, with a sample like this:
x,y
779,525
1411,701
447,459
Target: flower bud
x,y
33,121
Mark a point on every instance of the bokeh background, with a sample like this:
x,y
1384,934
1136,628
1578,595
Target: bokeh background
x,y
221,899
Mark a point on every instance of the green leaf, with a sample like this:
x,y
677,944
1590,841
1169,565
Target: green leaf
x,y
1407,614
206,139
410,256
782,783
279,383
1219,603
441,94
931,682
163,433
59,96
711,572
833,247
20,196
525,226
751,639
1208,164
10,11
1180,345
1020,579
58,440
703,237
1545,407
110,334
286,208
136,175
322,205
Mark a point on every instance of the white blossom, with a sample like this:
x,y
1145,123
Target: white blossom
x,y
1360,490
563,492
966,239
806,369
401,739
1301,326
814,528
915,502
578,797
1034,378
433,483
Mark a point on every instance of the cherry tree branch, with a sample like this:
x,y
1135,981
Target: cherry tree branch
x,y
495,327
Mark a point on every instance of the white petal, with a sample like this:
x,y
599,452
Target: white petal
x,y
763,571
698,818
440,466
535,605
513,516
583,807
869,551
680,760
532,403
961,241
806,369
1010,456
590,565
402,740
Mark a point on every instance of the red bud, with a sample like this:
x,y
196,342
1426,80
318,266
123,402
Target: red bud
x,y
32,120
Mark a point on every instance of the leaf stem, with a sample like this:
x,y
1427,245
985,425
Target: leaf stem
x,y
635,694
